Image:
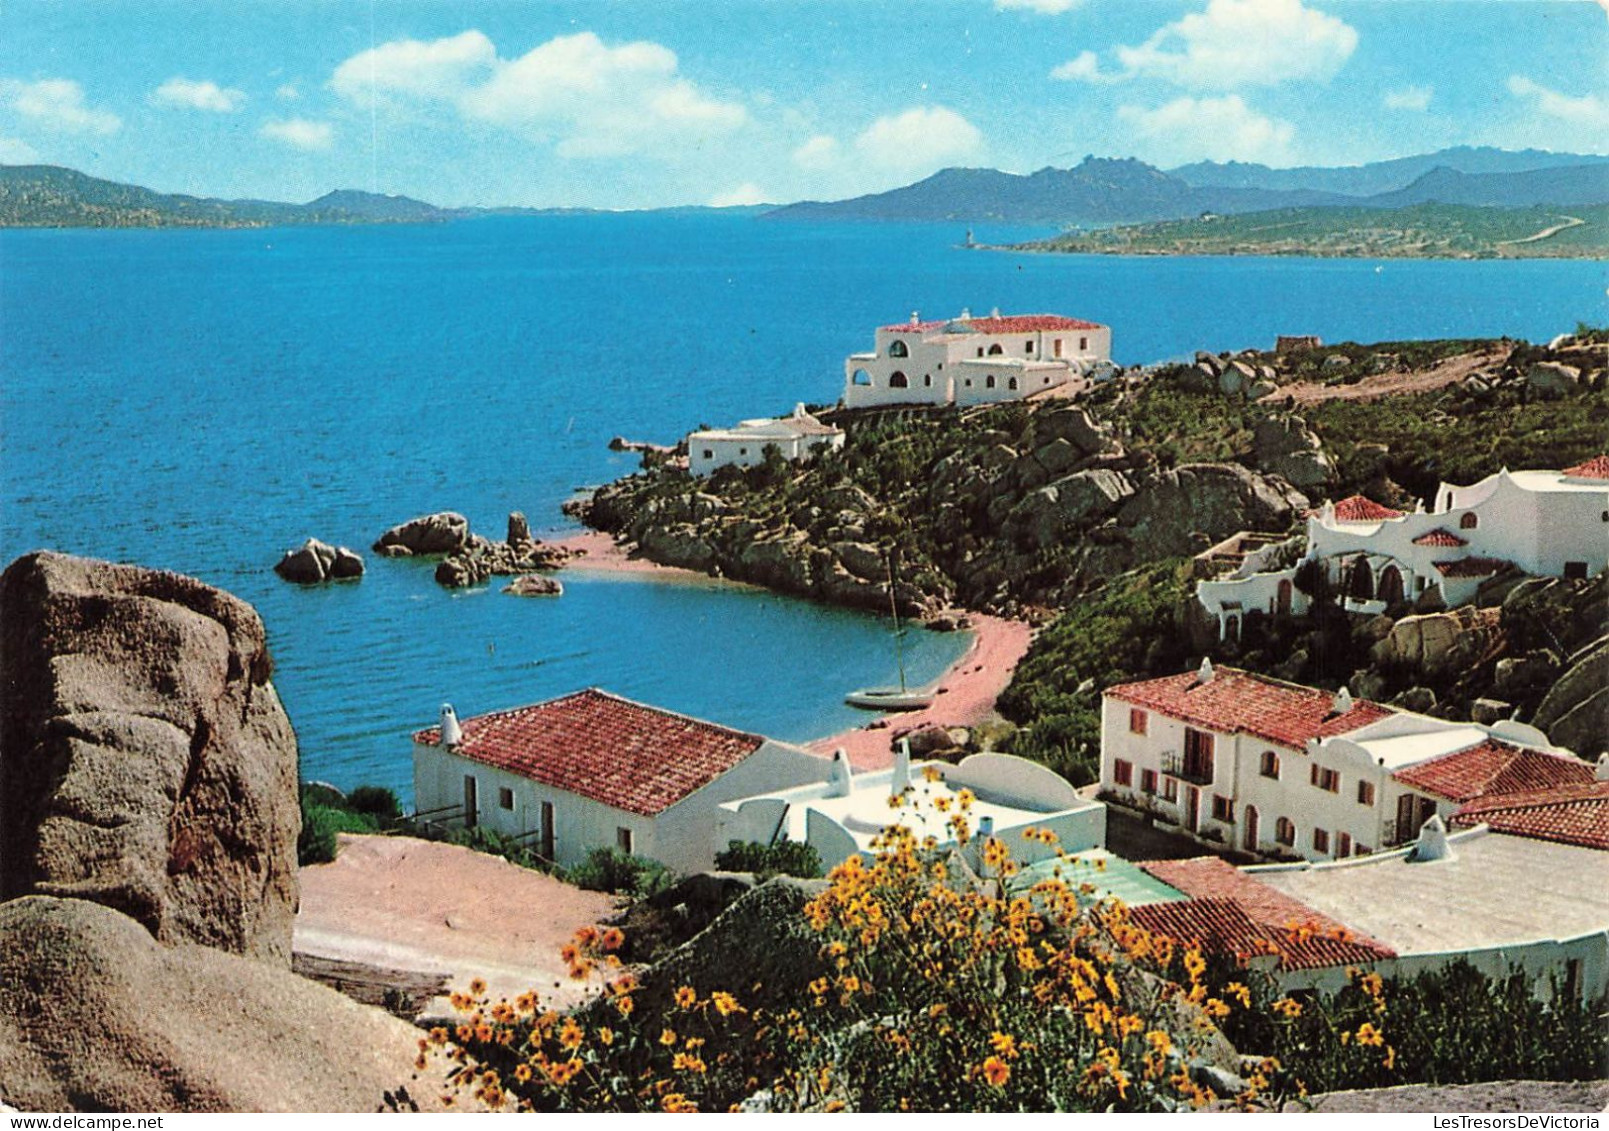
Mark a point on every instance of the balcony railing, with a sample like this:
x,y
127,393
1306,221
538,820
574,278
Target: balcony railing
x,y
1197,771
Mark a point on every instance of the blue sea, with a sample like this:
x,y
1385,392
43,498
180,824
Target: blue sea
x,y
203,400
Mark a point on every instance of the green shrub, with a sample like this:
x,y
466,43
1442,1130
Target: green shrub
x,y
785,858
376,801
610,870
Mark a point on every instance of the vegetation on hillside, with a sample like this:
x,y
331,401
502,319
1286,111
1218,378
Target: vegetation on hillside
x,y
1459,231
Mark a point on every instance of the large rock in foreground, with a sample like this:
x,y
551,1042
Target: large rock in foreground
x,y
95,1015
145,760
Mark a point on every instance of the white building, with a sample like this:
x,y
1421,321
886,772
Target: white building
x,y
794,436
1273,768
592,770
968,361
843,815
1543,523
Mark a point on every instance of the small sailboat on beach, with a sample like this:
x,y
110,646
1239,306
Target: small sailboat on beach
x,y
901,698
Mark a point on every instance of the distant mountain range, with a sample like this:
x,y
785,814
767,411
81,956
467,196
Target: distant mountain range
x,y
1098,192
1105,191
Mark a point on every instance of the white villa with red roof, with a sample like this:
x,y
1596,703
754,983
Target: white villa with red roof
x,y
1543,523
795,436
968,361
1273,768
592,770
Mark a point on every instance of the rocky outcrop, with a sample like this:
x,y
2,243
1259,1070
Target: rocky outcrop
x,y
482,559
1186,509
95,1015
145,760
1552,377
1286,447
1575,712
1071,503
445,532
534,585
314,561
1437,644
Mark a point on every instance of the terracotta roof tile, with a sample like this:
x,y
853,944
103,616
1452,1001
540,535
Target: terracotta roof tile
x,y
1357,508
1471,567
1492,768
1225,899
1570,814
1595,468
1440,536
1007,324
593,744
1234,701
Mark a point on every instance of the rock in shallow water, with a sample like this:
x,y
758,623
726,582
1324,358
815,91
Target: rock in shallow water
x,y
442,533
534,585
314,561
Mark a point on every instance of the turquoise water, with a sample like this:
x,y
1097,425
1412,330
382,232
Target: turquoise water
x,y
201,401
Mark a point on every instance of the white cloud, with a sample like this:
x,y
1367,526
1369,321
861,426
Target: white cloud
x,y
1046,7
1409,98
589,98
14,151
58,104
921,140
300,133
189,94
1217,129
1586,109
1234,43
746,193
1085,68
820,152
289,92
440,68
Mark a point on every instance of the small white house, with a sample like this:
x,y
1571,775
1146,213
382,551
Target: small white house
x,y
1543,523
795,436
1273,768
592,770
968,361
844,814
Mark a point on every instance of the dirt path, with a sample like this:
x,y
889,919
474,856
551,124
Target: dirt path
x,y
967,693
1545,233
1439,376
415,905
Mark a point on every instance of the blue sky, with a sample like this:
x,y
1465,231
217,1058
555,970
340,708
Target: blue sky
x,y
640,103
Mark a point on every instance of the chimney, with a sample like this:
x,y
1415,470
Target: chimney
x,y
1343,701
966,313
842,781
1601,773
1205,672
901,780
985,827
916,318
1432,843
799,411
451,733
995,313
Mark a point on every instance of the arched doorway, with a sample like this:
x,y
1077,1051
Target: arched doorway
x,y
1251,828
897,380
1390,590
1282,598
1360,587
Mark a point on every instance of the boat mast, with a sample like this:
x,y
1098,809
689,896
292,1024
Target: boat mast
x,y
893,608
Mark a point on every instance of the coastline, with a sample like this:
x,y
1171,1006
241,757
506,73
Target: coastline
x,y
967,693
968,688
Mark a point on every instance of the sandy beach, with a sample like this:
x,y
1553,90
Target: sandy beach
x,y
967,691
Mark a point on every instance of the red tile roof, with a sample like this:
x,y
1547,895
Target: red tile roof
x,y
1007,324
1234,701
1471,567
1440,536
1570,814
1595,468
593,744
1357,508
1492,768
1224,900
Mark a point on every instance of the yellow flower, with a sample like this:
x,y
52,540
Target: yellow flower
x,y
625,1005
685,997
667,1036
571,1034
1369,1035
676,1102
1238,990
1390,1060
522,1073
996,1072
1004,1044
606,1035
725,1003
1288,1008
477,987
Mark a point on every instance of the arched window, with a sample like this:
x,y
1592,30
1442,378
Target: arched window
x,y
1361,585
1282,601
927,380
860,377
988,382
995,350
1390,590
1270,764
1011,382
1469,522
897,348
896,380
1285,831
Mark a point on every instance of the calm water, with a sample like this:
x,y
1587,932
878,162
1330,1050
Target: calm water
x,y
201,401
